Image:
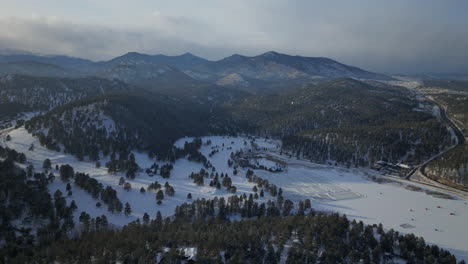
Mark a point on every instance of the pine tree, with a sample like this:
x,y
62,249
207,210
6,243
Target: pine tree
x,y
66,172
146,218
121,180
227,182
73,205
128,209
160,195
170,191
30,171
85,219
47,164
271,256
104,222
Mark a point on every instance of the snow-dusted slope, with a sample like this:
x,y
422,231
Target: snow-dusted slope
x,y
46,93
140,203
233,79
277,67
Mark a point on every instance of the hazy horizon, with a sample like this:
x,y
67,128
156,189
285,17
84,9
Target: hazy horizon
x,y
389,37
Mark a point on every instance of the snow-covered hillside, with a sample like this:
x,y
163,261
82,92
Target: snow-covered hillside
x,y
276,67
21,140
405,207
46,93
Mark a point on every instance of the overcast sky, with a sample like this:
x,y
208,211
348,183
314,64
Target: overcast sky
x,y
391,36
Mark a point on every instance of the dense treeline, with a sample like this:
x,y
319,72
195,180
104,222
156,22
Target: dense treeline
x,y
364,145
126,162
12,155
91,185
21,196
109,197
121,122
190,151
9,111
451,168
302,238
346,121
456,107
25,202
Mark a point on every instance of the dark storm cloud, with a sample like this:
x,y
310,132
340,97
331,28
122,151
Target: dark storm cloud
x,y
392,36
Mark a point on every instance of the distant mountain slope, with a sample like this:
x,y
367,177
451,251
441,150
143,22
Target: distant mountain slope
x,y
34,68
437,76
250,67
345,120
161,74
268,71
445,86
170,81
183,61
46,93
59,60
320,66
143,73
272,67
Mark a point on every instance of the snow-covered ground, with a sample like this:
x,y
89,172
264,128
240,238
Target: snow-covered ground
x,y
347,191
391,203
140,203
319,184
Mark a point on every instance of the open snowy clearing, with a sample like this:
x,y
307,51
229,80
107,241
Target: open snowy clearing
x,y
439,221
347,191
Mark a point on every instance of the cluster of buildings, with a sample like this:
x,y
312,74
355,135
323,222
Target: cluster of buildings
x,y
391,168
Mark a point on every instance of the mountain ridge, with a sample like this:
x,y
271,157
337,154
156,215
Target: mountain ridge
x,y
259,72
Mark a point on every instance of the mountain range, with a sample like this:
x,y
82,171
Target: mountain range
x,y
268,70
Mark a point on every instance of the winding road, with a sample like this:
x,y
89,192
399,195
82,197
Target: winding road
x,y
460,141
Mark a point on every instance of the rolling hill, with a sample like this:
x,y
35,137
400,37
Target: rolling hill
x,y
124,121
345,121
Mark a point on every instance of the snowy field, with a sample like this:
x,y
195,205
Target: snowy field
x,y
439,221
347,191
140,203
